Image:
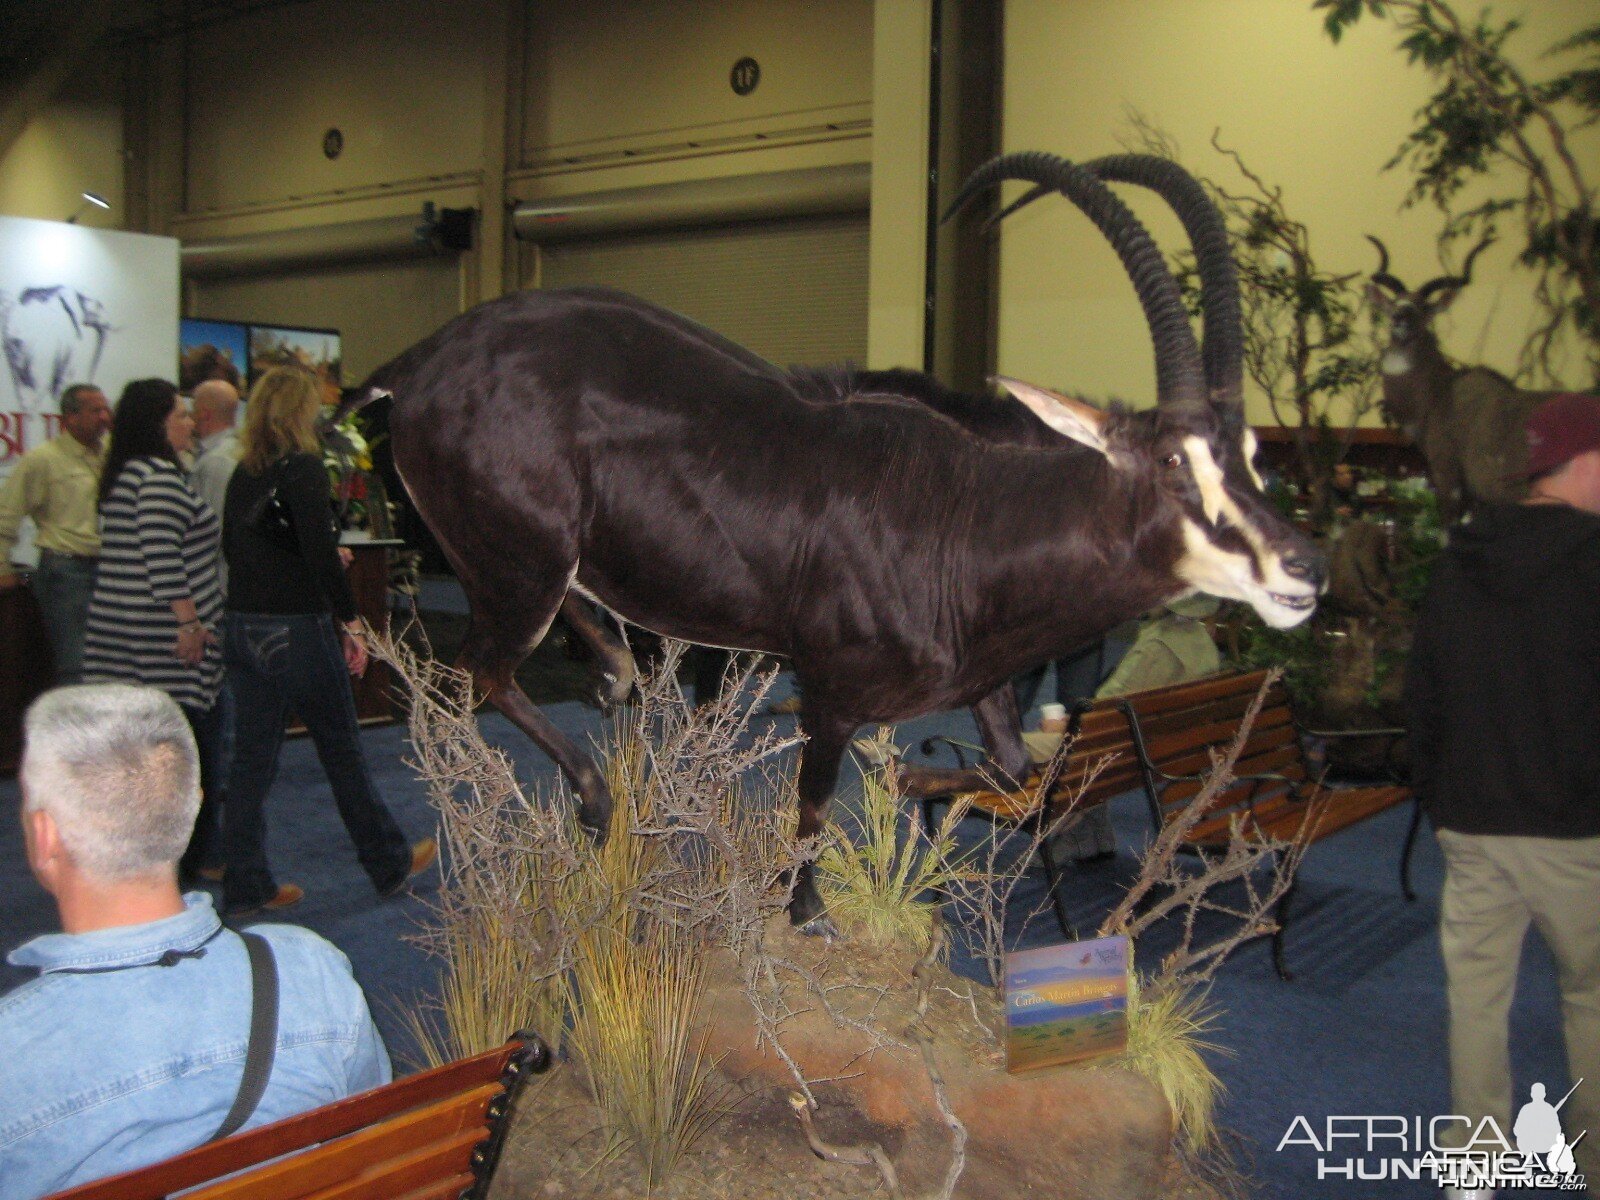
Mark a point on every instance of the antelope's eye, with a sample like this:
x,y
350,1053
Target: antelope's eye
x,y
1172,461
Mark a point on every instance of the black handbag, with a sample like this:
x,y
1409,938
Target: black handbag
x,y
269,516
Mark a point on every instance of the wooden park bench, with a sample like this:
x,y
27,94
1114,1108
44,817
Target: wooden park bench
x,y
435,1135
1162,741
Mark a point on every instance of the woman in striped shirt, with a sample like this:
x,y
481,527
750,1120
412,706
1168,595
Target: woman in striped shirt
x,y
156,594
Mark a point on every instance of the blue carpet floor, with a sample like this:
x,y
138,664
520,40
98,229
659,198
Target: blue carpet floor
x,y
1360,1030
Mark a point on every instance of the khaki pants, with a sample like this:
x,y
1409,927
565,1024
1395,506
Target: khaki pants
x,y
1493,888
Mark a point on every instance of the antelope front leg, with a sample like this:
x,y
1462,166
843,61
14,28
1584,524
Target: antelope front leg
x,y
1007,765
826,738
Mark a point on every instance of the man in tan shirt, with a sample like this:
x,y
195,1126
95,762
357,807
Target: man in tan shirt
x,y
56,486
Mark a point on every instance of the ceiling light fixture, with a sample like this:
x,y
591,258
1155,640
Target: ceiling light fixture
x,y
89,198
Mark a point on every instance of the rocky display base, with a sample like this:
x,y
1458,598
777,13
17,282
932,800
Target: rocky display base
x,y
1068,1133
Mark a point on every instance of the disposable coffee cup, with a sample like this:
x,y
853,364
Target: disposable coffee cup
x,y
1053,718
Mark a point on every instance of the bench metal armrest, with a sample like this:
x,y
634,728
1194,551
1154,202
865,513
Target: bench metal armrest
x,y
1393,733
929,745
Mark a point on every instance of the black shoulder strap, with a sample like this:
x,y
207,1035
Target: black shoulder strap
x,y
263,1045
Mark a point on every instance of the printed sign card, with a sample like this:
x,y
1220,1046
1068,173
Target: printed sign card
x,y
1067,1003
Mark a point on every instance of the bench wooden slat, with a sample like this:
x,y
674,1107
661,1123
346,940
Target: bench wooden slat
x,y
410,1140
399,1176
1347,806
445,1189
1284,760
454,1122
1156,701
1276,816
1181,742
1227,712
1258,750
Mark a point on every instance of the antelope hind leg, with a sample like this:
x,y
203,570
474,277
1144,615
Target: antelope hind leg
x,y
1007,765
617,668
494,674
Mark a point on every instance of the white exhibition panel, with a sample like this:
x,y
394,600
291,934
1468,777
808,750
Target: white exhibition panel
x,y
78,305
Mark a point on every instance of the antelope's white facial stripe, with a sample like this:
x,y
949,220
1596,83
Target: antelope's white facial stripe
x,y
1250,448
1207,476
1281,600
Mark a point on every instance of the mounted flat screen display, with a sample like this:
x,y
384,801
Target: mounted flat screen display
x,y
212,350
317,349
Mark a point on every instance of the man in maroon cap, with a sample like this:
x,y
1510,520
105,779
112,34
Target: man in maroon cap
x,y
1503,701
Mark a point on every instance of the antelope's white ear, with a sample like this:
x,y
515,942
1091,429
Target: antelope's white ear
x,y
1072,418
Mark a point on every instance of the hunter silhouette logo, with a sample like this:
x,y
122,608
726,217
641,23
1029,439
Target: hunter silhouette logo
x,y
1538,1131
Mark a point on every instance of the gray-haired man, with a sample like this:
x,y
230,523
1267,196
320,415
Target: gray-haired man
x,y
130,1046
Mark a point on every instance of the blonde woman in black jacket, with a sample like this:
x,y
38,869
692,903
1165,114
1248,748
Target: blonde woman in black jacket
x,y
292,641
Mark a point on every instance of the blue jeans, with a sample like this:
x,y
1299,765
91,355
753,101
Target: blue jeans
x,y
278,663
210,739
64,585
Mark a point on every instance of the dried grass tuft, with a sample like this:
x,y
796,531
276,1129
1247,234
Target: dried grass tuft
x,y
880,886
1167,1028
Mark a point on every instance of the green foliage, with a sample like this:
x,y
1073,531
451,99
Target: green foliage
x,y
1301,653
1308,652
1487,118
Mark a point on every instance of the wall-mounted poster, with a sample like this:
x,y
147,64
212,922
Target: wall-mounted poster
x,y
78,305
318,349
212,350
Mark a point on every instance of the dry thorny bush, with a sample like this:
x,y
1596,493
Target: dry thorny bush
x,y
602,948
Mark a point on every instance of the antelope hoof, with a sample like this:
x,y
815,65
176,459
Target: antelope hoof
x,y
821,926
614,689
598,827
806,912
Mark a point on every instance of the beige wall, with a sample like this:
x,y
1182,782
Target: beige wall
x,y
479,102
403,80
1317,119
73,146
491,102
898,250
610,77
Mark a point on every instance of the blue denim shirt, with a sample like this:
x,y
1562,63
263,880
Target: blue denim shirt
x,y
101,1073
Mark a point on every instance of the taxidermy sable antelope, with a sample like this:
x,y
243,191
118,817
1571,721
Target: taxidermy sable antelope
x,y
861,524
1467,421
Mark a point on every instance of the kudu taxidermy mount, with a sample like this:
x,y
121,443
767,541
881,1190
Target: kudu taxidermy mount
x,y
1467,421
906,547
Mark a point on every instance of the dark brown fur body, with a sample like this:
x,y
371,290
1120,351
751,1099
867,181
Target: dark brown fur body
x,y
908,548
840,535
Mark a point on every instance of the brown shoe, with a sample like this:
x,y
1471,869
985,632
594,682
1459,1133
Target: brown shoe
x,y
287,896
422,855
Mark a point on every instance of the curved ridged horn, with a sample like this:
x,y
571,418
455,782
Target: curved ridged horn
x,y
1180,376
1222,342
1222,339
1381,276
1456,281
